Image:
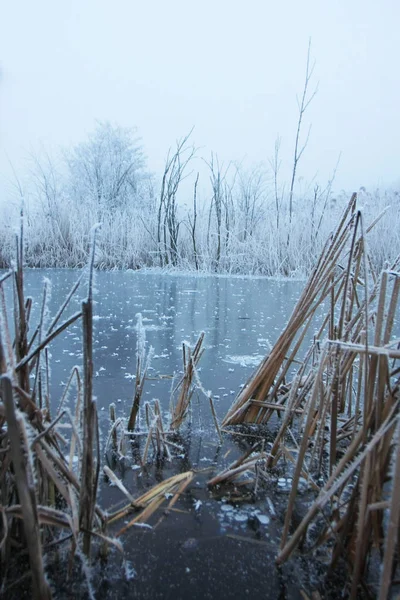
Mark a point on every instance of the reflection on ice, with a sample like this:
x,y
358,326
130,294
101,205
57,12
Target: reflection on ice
x,y
244,361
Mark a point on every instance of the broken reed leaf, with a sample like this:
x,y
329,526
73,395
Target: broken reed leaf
x,y
116,481
231,474
154,497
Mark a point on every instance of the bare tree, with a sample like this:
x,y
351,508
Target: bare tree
x,y
251,198
51,196
107,169
192,223
321,196
275,164
221,205
47,181
230,212
306,99
167,214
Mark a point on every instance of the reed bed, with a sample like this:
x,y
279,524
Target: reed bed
x,y
337,410
50,463
159,435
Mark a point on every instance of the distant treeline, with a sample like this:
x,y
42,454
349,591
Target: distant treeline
x,y
198,214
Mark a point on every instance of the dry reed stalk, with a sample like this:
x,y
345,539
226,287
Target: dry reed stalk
x,y
64,305
117,443
90,460
49,338
37,382
185,387
392,535
302,452
26,491
161,434
20,321
46,515
214,415
114,436
148,440
116,481
230,475
7,353
142,366
156,434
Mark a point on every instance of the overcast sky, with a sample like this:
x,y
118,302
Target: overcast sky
x,y
232,69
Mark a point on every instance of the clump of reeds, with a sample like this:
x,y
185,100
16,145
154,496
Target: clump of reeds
x,y
117,435
340,411
120,429
157,435
353,416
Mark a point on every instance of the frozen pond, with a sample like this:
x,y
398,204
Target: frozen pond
x,y
240,317
212,546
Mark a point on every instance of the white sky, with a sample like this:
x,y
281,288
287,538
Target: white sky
x,y
232,69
